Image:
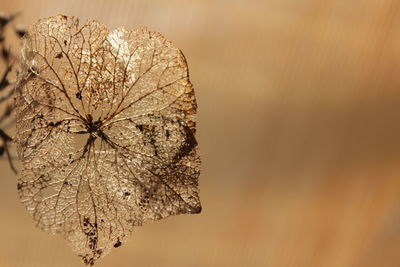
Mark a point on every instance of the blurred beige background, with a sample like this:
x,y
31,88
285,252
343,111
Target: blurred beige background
x,y
298,125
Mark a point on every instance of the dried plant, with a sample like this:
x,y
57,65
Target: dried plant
x,y
105,130
7,60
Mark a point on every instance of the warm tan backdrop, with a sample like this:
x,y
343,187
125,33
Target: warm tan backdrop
x,y
299,130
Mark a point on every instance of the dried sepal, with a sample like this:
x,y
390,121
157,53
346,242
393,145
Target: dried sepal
x,y
105,132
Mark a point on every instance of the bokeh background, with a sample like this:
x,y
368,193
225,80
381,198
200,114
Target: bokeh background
x,y
298,126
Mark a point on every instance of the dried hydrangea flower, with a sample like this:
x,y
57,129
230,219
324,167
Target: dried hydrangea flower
x,y
105,132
